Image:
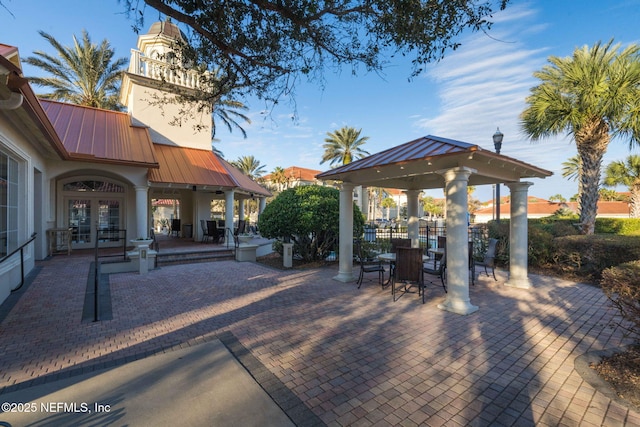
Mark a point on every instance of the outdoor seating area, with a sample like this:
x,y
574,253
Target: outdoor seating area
x,y
211,232
327,353
430,268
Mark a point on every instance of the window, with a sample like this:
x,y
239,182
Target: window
x,y
8,204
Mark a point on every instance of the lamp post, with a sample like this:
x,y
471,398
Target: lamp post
x,y
497,143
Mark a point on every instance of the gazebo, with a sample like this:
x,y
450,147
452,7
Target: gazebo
x,y
435,162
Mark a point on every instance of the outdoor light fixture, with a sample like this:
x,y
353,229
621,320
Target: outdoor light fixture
x,y
497,143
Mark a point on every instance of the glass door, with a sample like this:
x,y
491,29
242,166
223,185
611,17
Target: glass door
x,y
79,214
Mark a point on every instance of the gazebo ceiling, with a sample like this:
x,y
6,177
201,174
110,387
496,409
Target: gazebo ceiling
x,y
414,166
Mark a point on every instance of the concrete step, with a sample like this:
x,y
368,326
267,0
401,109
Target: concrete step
x,y
172,258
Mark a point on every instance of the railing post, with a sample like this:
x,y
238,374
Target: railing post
x,y
21,266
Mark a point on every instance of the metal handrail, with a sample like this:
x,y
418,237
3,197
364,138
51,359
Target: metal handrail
x,y
230,233
21,249
97,265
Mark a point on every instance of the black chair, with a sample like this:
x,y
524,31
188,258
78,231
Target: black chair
x,y
175,227
442,244
222,231
439,270
472,263
408,270
205,231
368,264
214,233
489,260
239,230
397,242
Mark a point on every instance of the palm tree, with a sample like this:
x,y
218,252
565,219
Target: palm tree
x,y
557,198
226,110
279,178
84,74
572,170
388,203
343,146
626,173
249,166
592,95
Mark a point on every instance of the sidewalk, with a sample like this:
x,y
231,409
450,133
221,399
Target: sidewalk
x,y
196,386
324,351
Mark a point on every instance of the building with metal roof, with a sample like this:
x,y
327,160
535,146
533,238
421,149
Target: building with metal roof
x,y
65,166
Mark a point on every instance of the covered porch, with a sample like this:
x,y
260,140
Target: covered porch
x,y
434,162
198,177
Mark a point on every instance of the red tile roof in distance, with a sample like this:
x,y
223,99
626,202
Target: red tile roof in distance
x,y
93,134
298,173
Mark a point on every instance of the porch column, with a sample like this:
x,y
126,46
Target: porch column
x,y
142,212
241,209
518,236
345,262
228,212
262,204
457,250
413,225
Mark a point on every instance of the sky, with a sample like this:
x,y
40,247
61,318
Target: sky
x,y
466,96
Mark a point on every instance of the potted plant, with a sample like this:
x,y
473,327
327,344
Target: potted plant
x,y
141,241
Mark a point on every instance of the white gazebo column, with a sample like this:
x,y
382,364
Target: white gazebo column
x,y
457,250
345,263
518,236
262,203
364,193
142,212
228,212
413,225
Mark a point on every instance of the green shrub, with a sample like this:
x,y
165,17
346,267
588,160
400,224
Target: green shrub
x,y
588,256
308,216
541,246
620,226
621,284
555,243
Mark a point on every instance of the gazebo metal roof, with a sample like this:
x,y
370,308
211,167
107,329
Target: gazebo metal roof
x,y
414,166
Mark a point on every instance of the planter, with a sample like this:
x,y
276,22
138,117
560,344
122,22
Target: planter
x,y
141,242
245,239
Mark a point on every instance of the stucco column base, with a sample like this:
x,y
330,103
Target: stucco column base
x,y
458,307
522,283
345,277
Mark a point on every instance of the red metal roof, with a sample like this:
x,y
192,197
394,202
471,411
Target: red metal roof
x,y
181,165
418,149
30,117
244,182
414,165
93,134
10,53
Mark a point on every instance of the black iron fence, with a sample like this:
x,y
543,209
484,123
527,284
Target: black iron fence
x,y
427,237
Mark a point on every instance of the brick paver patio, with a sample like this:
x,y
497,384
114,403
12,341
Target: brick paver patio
x,y
352,356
